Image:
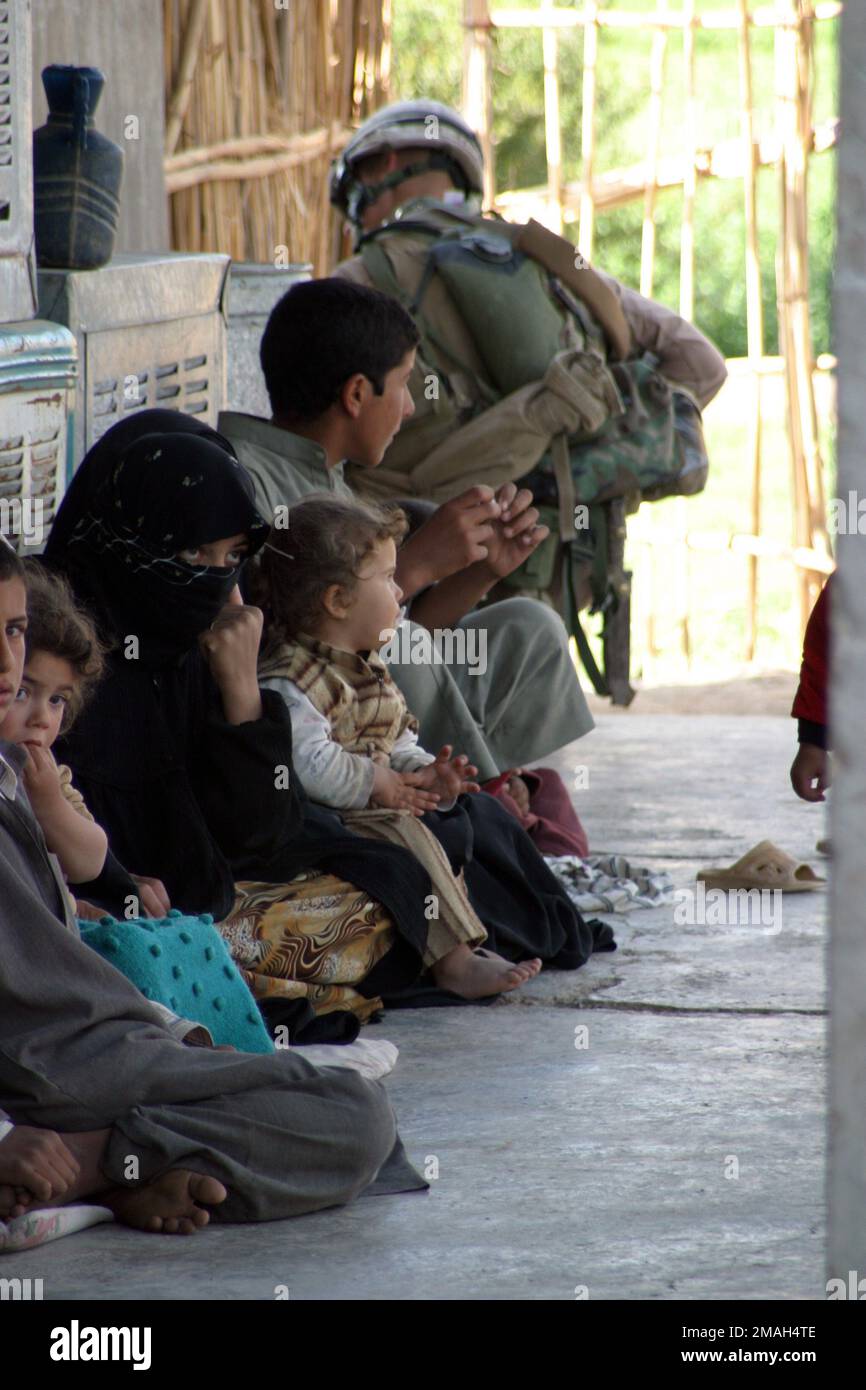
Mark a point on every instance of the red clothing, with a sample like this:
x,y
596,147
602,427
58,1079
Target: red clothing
x,y
810,702
551,821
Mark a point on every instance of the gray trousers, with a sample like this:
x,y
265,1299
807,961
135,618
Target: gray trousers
x,y
528,702
81,1049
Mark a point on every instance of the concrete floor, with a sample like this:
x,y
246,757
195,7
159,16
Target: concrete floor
x,y
678,1154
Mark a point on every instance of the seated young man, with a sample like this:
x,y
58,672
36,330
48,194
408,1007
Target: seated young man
x,y
337,358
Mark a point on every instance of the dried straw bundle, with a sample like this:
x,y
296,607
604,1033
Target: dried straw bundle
x,y
259,98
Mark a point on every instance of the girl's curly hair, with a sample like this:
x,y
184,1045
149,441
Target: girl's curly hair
x,y
326,542
58,625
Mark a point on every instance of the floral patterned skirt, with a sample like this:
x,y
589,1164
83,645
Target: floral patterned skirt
x,y
316,938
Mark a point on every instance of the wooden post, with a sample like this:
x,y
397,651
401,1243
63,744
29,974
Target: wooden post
x,y
754,313
587,128
552,128
846,1185
478,85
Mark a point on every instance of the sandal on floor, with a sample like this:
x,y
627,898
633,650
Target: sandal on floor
x,y
765,866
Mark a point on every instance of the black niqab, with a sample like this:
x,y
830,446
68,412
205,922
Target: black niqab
x,y
153,486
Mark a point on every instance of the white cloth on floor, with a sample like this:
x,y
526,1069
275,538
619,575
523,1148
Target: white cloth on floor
x,y
372,1057
609,883
45,1224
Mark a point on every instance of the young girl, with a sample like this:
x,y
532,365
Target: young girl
x,y
63,662
327,585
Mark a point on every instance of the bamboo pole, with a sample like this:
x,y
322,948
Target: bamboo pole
x,y
687,231
792,282
616,187
189,52
715,20
754,315
309,144
648,230
587,128
478,85
804,558
290,156
552,127
801,317
687,297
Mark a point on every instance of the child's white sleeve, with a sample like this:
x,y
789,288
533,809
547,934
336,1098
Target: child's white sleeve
x,y
406,756
327,772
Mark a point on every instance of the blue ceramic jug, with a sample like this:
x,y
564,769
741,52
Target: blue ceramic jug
x,y
76,174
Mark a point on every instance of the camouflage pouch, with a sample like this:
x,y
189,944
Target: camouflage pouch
x,y
655,448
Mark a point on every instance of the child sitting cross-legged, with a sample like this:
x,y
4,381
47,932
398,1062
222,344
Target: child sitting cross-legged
x,y
328,588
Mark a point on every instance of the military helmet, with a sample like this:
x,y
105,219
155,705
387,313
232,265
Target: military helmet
x,y
453,146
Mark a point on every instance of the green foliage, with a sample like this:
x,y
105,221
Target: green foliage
x,y
428,56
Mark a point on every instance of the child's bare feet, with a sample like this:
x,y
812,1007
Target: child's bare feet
x,y
169,1204
478,974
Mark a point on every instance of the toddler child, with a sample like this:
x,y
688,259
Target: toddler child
x,y
328,588
63,661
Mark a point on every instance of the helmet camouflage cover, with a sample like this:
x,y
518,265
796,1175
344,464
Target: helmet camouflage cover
x,y
453,146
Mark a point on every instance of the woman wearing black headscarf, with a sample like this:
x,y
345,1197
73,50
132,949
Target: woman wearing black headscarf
x,y
181,757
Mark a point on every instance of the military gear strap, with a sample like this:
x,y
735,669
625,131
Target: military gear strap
x,y
381,272
558,256
561,456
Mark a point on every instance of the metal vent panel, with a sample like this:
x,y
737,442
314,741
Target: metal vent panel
x,y
175,366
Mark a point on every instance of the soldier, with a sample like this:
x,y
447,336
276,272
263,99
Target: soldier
x,y
531,367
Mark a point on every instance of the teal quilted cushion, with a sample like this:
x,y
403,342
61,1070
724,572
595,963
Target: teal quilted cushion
x,y
184,963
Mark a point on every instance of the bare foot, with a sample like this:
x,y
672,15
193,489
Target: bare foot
x,y
168,1204
478,974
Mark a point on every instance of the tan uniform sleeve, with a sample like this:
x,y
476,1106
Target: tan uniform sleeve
x,y
72,795
685,355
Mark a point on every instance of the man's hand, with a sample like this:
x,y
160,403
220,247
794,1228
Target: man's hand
x,y
42,780
455,536
515,535
36,1165
811,764
400,792
231,648
448,776
153,896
